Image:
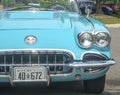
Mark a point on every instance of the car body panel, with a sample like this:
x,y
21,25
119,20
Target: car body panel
x,y
21,20
45,40
50,39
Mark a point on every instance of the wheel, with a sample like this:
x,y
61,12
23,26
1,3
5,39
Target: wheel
x,y
94,85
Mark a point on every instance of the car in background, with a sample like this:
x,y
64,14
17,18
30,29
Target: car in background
x,y
83,3
114,7
113,4
107,10
48,41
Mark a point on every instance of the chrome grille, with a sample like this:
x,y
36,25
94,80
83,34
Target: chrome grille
x,y
53,60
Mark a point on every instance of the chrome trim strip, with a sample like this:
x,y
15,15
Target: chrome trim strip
x,y
73,65
36,49
93,52
92,64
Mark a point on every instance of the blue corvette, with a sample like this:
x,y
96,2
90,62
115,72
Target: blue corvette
x,y
46,41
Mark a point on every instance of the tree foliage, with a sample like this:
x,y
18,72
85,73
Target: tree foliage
x,y
41,2
7,1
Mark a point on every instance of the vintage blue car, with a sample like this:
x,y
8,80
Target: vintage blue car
x,y
47,41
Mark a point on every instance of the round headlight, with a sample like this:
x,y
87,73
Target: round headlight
x,y
102,39
85,39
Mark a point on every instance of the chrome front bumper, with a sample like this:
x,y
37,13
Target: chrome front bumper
x,y
61,65
72,76
76,64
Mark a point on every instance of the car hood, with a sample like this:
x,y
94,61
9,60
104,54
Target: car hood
x,y
35,20
53,30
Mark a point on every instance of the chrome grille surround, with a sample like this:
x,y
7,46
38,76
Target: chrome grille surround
x,y
54,60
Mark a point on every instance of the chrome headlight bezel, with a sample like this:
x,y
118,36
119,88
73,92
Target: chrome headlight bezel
x,y
85,39
102,39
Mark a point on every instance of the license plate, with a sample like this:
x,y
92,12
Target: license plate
x,y
36,73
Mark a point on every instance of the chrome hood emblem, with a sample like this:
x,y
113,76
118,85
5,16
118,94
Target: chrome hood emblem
x,y
30,39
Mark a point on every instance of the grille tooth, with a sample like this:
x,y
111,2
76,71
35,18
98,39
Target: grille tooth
x,y
25,59
1,59
51,58
45,58
42,58
18,59
34,59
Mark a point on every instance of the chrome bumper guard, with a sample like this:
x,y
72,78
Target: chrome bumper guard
x,y
92,64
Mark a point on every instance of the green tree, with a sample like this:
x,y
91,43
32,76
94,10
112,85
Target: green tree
x,y
7,2
119,4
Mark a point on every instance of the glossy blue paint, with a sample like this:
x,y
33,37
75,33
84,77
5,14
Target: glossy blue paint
x,y
53,30
98,25
35,20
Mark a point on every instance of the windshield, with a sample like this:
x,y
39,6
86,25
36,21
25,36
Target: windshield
x,y
13,5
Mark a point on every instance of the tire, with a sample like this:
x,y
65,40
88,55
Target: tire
x,y
94,85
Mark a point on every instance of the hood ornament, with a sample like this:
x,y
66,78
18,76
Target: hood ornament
x,y
88,10
30,39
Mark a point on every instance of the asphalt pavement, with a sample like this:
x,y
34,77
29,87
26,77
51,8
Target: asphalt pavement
x,y
113,76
